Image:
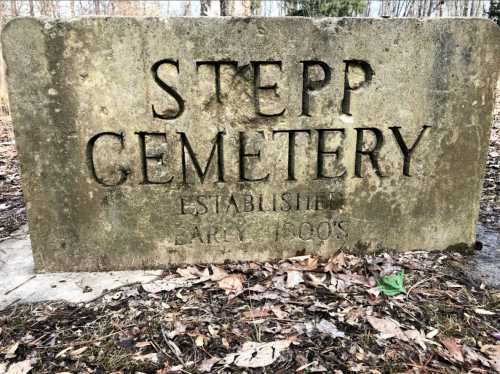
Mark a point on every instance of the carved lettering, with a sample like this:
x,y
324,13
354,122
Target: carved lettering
x,y
178,98
218,148
309,85
407,152
124,172
372,153
157,156
257,87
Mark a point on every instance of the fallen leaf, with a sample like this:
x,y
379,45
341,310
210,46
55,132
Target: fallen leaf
x,y
416,336
21,367
453,347
62,353
392,285
312,367
78,351
316,280
142,344
472,356
387,328
166,285
306,264
213,330
293,278
493,353
356,279
278,312
10,351
257,313
191,272
336,264
483,312
199,341
231,284
326,327
179,329
432,333
174,369
153,357
257,288
217,273
256,355
206,365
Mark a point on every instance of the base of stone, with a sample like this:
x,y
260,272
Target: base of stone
x,y
20,284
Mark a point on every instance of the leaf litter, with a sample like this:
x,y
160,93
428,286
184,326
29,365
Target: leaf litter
x,y
303,314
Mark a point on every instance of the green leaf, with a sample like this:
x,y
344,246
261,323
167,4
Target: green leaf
x,y
392,285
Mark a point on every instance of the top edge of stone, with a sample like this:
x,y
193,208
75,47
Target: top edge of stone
x,y
47,22
225,18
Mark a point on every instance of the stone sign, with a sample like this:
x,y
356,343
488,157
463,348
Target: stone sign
x,y
145,142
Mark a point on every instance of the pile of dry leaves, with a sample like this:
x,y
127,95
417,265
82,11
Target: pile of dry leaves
x,y
490,198
12,209
300,315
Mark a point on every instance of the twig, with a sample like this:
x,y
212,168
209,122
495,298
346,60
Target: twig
x,y
19,285
420,282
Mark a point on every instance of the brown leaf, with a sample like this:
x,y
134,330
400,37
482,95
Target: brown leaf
x,y
10,351
357,279
257,288
78,352
336,264
21,367
472,356
293,278
166,285
199,341
191,272
307,264
153,357
278,312
255,355
493,353
232,283
453,347
257,313
217,273
387,328
206,365
316,279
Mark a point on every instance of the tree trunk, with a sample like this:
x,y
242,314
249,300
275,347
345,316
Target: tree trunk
x,y
187,8
429,10
13,8
204,6
32,8
224,8
97,7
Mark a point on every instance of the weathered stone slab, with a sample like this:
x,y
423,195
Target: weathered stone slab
x,y
145,142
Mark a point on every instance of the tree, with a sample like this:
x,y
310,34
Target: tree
x,y
330,8
204,7
494,12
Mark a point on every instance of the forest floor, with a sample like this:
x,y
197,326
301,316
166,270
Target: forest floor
x,y
344,314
